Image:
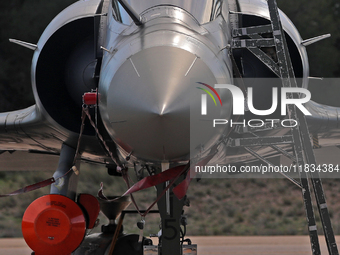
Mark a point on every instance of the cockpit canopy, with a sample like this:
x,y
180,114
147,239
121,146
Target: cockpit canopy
x,y
203,10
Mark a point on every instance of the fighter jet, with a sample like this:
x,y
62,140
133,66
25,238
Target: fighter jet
x,y
164,86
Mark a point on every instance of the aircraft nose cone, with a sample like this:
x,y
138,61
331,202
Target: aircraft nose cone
x,y
147,104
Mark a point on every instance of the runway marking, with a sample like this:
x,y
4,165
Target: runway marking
x,y
134,67
191,66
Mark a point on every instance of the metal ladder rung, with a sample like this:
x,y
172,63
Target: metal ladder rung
x,y
246,31
260,141
266,127
253,43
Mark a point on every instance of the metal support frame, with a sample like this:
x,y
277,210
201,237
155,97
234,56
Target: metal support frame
x,y
170,209
132,13
66,185
299,138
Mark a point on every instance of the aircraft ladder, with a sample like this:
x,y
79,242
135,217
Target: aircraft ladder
x,y
299,136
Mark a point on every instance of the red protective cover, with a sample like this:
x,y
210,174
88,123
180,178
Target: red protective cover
x,y
54,225
92,208
90,98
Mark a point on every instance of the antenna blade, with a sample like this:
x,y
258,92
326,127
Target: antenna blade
x,y
30,46
315,39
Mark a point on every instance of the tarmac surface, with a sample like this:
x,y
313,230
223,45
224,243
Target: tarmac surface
x,y
216,245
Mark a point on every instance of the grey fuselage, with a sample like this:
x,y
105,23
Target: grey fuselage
x,y
149,71
146,77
